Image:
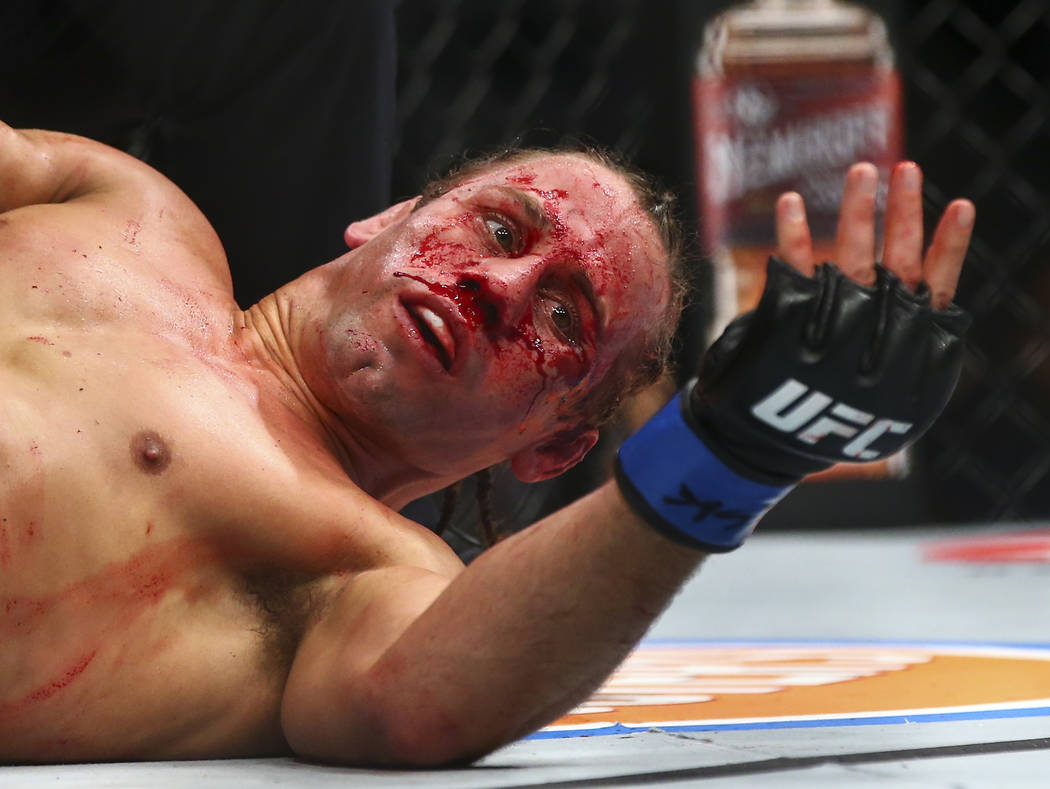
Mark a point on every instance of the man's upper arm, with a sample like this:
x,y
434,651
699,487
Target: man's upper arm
x,y
75,177
328,710
41,167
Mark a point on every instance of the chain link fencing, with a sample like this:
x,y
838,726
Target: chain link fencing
x,y
979,105
476,75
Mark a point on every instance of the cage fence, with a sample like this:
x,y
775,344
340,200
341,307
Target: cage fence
x,y
979,105
475,75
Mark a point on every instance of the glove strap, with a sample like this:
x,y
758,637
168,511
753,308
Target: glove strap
x,y
673,481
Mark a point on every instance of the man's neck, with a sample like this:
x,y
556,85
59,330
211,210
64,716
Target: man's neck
x,y
276,329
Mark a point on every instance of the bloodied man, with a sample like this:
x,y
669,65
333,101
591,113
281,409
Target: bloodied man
x,y
200,551
508,299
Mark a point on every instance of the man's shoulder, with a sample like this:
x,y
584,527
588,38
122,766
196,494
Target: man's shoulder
x,y
70,188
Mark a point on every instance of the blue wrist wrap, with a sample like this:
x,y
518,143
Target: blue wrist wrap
x,y
670,478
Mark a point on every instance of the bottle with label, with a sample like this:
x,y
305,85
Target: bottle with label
x,y
787,95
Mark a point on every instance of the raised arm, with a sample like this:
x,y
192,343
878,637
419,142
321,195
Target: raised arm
x,y
413,667
70,183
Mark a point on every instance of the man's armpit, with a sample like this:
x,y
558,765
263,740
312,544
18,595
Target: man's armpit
x,y
326,695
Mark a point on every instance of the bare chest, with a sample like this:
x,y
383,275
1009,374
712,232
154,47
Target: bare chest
x,y
155,656
136,610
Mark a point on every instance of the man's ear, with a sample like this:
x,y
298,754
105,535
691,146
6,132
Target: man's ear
x,y
366,229
551,458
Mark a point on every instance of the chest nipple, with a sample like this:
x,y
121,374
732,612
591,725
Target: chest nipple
x,y
150,452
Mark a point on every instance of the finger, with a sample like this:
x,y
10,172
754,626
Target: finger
x,y
903,242
855,241
794,244
946,254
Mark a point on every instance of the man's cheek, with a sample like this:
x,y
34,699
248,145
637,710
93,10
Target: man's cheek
x,y
442,245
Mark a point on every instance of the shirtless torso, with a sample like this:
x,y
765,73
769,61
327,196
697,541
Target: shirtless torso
x,y
200,551
148,608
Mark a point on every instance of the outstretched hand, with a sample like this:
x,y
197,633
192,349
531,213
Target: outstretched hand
x,y
836,363
903,244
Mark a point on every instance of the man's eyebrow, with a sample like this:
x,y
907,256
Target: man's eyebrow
x,y
530,206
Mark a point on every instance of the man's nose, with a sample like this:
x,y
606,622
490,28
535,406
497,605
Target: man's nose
x,y
503,290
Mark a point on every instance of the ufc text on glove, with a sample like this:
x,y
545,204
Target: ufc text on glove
x,y
824,370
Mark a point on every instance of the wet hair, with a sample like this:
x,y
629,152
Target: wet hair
x,y
636,368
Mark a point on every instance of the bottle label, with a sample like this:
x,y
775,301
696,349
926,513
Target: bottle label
x,y
760,135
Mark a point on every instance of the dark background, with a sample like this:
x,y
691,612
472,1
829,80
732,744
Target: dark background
x,y
279,118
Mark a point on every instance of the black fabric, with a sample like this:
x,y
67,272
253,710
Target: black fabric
x,y
276,118
880,349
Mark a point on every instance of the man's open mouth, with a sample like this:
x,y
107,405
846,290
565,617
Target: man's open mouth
x,y
436,333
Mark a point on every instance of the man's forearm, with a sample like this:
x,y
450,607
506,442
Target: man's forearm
x,y
530,628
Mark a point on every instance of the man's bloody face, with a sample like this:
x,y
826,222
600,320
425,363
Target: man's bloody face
x,y
491,310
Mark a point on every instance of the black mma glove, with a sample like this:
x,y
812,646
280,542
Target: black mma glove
x,y
824,370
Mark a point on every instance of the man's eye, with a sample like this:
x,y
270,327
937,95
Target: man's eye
x,y
563,318
503,234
